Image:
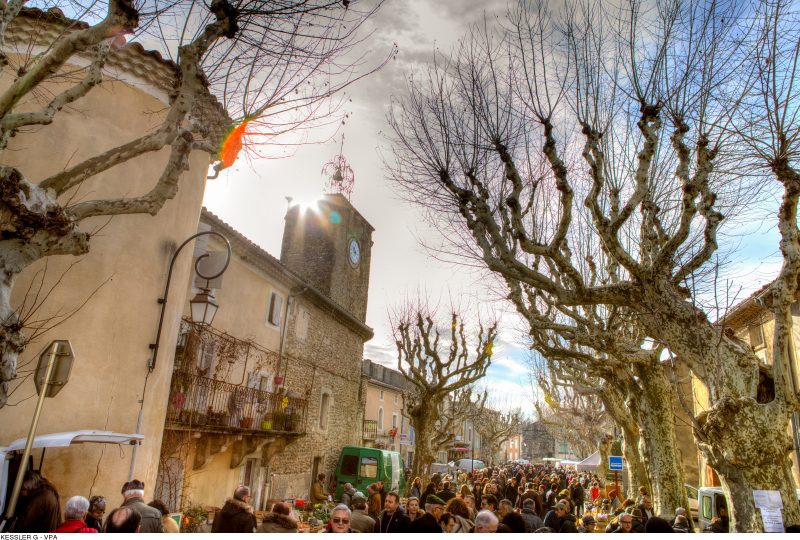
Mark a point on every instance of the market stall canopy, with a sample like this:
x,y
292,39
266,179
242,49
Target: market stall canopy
x,y
55,440
592,463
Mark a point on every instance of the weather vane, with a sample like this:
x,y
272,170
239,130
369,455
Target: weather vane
x,y
341,178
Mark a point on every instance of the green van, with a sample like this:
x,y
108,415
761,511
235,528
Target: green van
x,y
364,466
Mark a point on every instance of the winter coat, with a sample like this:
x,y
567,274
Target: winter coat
x,y
397,522
93,523
462,525
531,519
552,521
347,496
74,526
446,495
425,524
235,517
318,493
374,505
568,524
42,511
514,522
151,518
415,491
577,495
361,521
278,523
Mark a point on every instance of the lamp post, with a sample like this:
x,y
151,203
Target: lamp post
x,y
203,306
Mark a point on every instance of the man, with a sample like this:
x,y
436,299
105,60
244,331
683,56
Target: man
x,y
681,512
124,520
638,521
429,522
530,516
447,493
552,496
625,523
340,520
133,493
531,493
489,502
347,494
75,517
509,518
318,494
236,515
576,495
588,524
359,519
486,522
568,520
392,519
555,517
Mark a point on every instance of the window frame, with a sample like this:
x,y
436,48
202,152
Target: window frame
x,y
272,307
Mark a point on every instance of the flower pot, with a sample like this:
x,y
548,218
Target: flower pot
x,y
246,422
266,425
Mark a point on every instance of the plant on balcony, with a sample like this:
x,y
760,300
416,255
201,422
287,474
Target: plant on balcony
x,y
279,421
266,423
246,422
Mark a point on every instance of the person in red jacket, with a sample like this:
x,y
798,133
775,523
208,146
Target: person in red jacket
x,y
75,515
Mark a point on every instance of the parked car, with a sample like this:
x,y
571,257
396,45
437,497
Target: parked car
x,y
469,465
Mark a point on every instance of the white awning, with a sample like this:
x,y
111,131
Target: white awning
x,y
55,440
592,463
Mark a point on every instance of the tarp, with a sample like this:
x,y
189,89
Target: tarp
x,y
592,463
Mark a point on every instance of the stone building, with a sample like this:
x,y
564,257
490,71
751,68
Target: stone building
x,y
267,395
385,424
511,448
111,294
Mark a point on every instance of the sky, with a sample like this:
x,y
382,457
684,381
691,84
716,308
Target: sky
x,y
251,196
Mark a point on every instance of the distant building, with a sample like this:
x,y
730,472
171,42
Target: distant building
x,y
384,423
538,443
511,448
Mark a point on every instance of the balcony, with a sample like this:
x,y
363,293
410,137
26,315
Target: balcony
x,y
370,430
205,404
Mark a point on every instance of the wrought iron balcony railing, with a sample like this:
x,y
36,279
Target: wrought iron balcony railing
x,y
215,405
370,430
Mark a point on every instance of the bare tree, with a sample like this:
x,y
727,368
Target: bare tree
x,y
624,208
439,365
494,427
272,64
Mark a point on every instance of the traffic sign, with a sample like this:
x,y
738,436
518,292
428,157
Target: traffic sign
x,y
62,365
614,463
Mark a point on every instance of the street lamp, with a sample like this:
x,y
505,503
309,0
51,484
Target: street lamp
x,y
203,306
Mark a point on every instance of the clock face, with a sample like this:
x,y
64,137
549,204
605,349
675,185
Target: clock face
x,y
354,252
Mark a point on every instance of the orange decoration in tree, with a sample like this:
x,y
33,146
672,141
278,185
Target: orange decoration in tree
x,y
232,145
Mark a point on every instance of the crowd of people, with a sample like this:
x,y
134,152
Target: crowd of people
x,y
38,510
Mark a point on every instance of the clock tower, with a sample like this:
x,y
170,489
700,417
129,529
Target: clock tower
x,y
330,247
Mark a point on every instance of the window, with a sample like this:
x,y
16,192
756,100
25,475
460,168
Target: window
x,y
274,309
325,409
396,399
380,418
394,420
469,435
349,465
756,336
381,396
707,507
206,356
368,468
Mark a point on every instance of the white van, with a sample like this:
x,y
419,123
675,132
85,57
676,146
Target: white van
x,y
469,465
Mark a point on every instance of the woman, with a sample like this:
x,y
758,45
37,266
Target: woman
x,y
279,520
170,526
97,509
594,492
430,489
413,511
416,488
464,491
460,512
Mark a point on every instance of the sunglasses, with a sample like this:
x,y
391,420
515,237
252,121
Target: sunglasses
x,y
343,521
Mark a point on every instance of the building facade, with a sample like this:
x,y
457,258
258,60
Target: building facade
x,y
265,397
111,295
384,423
511,449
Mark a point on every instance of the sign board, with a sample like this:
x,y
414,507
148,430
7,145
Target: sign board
x,y
62,366
770,504
405,438
614,463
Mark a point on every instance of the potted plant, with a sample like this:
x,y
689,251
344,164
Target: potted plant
x,y
246,422
279,421
266,423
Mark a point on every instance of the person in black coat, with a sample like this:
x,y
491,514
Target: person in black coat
x,y
429,522
392,519
237,514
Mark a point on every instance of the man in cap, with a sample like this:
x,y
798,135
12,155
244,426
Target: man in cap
x,y
429,523
360,520
638,522
588,524
555,517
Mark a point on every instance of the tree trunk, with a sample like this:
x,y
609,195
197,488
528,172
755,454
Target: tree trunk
x,y
656,419
614,403
424,455
605,450
32,226
750,451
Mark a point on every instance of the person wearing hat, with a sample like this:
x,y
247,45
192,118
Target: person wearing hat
x,y
429,523
569,521
681,512
555,517
360,520
638,525
588,524
530,516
